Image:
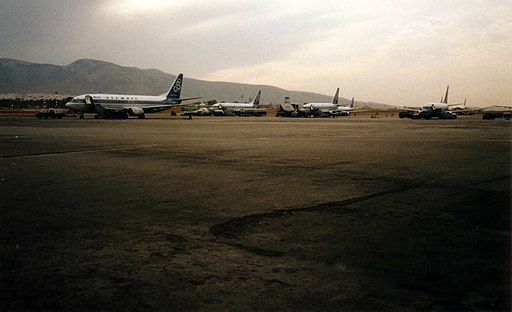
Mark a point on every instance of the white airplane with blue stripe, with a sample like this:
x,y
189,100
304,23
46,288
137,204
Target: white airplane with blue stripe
x,y
124,105
229,108
324,109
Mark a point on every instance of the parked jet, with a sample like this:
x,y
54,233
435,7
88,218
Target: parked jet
x,y
438,109
344,110
288,109
332,109
321,109
122,105
241,109
461,110
431,110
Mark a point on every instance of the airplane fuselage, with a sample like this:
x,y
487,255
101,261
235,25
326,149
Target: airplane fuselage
x,y
229,108
326,109
117,102
320,106
322,109
345,108
232,106
439,110
435,106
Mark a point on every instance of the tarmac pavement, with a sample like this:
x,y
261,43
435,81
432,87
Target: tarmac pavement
x,y
255,214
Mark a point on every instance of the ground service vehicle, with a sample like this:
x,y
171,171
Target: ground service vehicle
x,y
51,113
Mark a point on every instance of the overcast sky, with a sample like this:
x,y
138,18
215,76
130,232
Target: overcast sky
x,y
400,52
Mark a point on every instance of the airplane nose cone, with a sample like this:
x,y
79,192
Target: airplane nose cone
x,y
69,105
72,106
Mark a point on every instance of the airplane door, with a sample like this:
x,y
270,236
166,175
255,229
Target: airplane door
x,y
89,100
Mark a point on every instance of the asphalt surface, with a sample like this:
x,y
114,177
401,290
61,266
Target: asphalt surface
x,y
255,214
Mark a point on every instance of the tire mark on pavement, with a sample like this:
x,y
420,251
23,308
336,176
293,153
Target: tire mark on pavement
x,y
227,232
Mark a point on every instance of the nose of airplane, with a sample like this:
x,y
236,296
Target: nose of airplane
x,y
72,106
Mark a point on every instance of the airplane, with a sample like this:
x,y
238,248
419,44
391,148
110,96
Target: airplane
x,y
461,110
328,109
289,109
344,110
240,109
122,105
321,109
438,109
432,109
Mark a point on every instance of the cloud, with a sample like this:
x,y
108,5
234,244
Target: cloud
x,y
397,51
394,55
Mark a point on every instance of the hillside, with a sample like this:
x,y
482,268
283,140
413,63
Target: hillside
x,y
86,75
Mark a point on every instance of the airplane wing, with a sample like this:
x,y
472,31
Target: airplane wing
x,y
229,110
314,109
178,101
155,108
411,109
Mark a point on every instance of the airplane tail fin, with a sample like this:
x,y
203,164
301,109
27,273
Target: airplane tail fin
x,y
352,103
335,99
256,101
175,89
445,100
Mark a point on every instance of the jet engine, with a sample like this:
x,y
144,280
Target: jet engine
x,y
135,111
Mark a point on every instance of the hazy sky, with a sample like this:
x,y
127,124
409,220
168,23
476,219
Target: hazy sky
x,y
400,52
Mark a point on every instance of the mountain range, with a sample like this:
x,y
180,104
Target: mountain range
x,y
93,76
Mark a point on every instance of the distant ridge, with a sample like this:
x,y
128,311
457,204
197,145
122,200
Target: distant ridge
x,y
93,76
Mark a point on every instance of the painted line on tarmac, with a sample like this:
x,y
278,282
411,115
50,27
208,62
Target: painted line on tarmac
x,y
84,151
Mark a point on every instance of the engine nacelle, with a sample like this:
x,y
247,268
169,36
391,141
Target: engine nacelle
x,y
135,111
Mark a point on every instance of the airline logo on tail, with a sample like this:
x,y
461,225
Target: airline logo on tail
x,y
177,86
175,90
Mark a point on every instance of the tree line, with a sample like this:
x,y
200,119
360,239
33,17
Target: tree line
x,y
33,103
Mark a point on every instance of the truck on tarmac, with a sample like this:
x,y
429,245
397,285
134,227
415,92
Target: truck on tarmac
x,y
51,113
